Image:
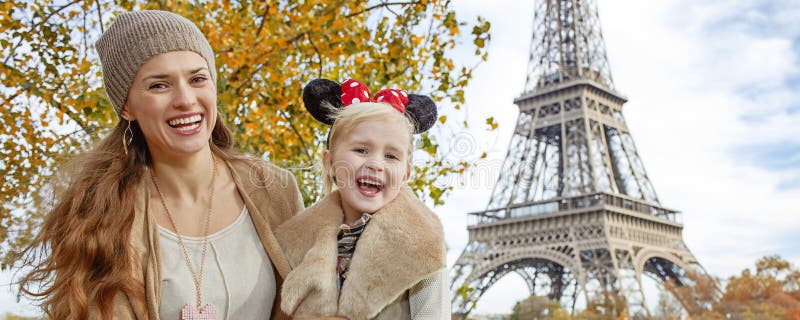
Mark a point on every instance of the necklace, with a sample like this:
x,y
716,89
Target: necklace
x,y
194,311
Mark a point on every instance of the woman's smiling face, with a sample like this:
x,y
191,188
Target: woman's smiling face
x,y
173,99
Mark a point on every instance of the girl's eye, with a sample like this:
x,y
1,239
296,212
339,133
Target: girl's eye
x,y
360,150
391,156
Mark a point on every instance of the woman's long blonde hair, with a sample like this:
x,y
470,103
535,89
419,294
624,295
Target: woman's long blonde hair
x,y
81,259
350,116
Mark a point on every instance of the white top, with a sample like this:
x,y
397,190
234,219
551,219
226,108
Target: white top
x,y
238,278
429,299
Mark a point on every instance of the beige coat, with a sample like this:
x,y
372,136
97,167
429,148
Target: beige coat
x,y
400,252
270,195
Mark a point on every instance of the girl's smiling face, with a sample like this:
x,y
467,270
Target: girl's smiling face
x,y
370,163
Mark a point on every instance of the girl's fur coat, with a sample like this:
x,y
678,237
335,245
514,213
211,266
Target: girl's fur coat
x,y
402,245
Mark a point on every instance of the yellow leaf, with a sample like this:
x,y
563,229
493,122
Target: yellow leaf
x,y
492,123
454,30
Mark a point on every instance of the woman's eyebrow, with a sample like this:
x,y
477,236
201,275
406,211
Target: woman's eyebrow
x,y
164,75
156,76
197,70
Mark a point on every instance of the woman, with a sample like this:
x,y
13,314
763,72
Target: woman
x,y
163,219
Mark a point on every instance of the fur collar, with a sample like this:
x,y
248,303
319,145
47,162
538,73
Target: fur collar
x,y
402,244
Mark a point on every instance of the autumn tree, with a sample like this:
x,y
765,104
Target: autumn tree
x,y
771,292
10,316
609,305
53,104
667,308
768,293
538,307
697,291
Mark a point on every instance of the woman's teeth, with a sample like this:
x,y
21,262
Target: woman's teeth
x,y
187,120
189,127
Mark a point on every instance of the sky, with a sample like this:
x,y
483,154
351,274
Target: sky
x,y
714,110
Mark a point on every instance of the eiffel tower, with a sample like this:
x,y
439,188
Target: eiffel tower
x,y
573,211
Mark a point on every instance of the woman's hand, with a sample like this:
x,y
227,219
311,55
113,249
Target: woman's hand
x,y
323,318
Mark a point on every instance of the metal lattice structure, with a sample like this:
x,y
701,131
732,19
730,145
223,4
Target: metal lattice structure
x,y
573,211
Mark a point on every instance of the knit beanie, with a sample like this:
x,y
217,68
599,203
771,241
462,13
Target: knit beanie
x,y
135,37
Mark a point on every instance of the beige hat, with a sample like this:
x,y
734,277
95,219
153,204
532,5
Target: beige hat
x,y
137,36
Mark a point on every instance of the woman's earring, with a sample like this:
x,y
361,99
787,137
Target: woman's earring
x,y
125,140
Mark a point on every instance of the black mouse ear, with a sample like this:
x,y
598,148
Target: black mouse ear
x,y
422,110
322,97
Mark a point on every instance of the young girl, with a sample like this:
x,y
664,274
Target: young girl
x,y
370,249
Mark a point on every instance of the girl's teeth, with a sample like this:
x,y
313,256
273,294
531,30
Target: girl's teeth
x,y
370,182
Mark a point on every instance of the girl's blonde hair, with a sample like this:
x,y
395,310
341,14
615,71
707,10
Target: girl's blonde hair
x,y
348,117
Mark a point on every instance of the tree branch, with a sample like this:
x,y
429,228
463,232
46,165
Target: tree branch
x,y
262,65
53,13
392,11
74,116
13,50
319,56
8,99
263,20
89,130
381,5
85,43
399,73
100,16
36,25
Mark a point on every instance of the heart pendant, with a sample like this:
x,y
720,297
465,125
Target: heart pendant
x,y
207,312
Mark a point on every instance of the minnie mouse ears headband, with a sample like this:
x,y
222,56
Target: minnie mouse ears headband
x,y
322,97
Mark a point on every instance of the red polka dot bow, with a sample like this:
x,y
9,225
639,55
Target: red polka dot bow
x,y
354,91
